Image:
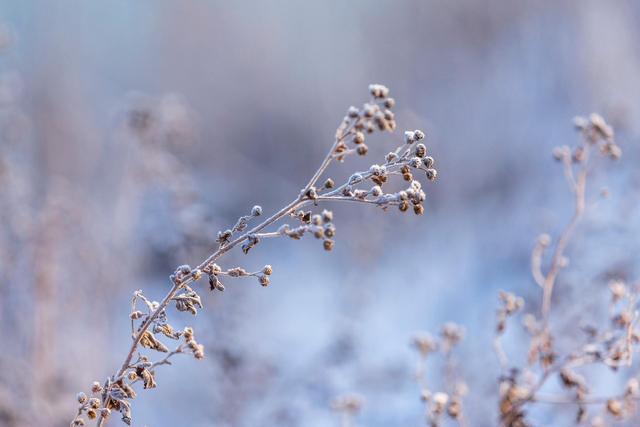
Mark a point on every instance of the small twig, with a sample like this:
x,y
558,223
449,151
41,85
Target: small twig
x,y
558,256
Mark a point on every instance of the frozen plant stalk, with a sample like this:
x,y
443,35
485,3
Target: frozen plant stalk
x,y
149,319
612,346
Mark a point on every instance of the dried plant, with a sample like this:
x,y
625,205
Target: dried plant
x,y
348,406
150,319
449,399
520,387
156,130
613,346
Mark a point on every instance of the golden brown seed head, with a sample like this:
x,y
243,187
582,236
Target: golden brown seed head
x,y
82,398
94,403
264,280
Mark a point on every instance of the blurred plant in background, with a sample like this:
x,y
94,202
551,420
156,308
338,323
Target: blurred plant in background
x,y
552,355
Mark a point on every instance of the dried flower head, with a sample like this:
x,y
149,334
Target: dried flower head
x,y
150,319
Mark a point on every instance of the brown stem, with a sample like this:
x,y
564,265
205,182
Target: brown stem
x,y
177,286
565,237
289,208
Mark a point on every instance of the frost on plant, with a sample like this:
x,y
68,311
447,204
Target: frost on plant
x,y
155,341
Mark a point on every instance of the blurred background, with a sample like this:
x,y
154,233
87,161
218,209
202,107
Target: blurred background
x,y
131,132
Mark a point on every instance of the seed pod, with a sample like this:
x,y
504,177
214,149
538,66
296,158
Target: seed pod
x,y
418,209
312,193
428,161
362,149
409,137
455,408
369,127
94,403
188,333
415,162
403,206
198,352
382,123
256,210
316,219
392,125
328,244
223,236
369,110
614,407
615,152
329,230
82,398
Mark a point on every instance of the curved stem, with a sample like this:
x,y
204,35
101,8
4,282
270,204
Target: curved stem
x,y
176,288
288,209
565,237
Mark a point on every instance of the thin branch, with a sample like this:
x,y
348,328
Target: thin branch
x,y
353,125
557,260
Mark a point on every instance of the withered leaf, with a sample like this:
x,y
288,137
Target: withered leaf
x,y
188,301
125,410
147,377
215,283
148,340
130,392
167,330
117,393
